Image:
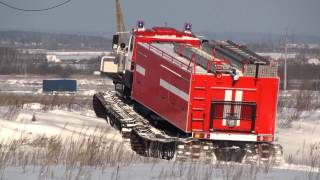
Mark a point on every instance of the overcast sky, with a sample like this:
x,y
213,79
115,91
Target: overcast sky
x,y
98,16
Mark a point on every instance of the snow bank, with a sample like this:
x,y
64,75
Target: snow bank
x,y
60,123
33,106
89,92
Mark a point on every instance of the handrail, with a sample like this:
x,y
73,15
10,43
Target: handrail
x,y
167,56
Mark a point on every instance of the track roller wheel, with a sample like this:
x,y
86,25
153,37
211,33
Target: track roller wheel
x,y
263,154
196,151
112,122
169,150
98,107
153,150
137,144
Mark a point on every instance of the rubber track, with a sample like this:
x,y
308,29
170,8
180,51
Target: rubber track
x,y
144,138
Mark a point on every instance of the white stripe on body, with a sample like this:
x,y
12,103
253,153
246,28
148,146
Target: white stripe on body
x,y
174,90
227,97
238,111
140,70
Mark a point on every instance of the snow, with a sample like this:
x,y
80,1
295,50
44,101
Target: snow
x,y
67,124
53,123
33,106
98,73
169,171
301,135
89,92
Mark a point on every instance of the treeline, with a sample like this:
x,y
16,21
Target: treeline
x,y
301,76
51,41
43,69
13,61
303,71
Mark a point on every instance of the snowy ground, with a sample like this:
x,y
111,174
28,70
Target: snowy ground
x,y
66,124
60,123
301,145
168,171
301,135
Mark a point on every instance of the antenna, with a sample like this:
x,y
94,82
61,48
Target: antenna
x,y
119,17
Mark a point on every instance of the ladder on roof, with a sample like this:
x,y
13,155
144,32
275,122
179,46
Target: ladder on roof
x,y
242,51
237,55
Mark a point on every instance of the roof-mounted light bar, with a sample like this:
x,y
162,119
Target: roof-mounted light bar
x,y
140,25
188,27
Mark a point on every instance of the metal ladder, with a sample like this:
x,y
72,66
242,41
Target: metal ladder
x,y
197,108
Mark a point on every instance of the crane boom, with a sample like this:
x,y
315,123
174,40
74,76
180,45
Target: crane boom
x,y
119,17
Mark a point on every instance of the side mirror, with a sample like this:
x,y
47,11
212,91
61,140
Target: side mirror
x,y
115,40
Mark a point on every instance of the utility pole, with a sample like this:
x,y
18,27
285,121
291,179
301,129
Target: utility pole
x,y
285,62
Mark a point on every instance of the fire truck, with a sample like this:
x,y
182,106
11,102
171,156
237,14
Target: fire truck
x,y
180,96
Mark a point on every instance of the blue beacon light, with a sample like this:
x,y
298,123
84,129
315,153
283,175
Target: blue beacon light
x,y
140,24
187,26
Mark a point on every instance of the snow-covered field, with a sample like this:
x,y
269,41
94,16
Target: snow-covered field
x,y
64,124
304,133
33,85
32,123
161,170
62,143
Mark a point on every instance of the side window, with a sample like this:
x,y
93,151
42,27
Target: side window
x,y
130,53
131,43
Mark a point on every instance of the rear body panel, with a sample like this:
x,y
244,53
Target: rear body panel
x,y
251,103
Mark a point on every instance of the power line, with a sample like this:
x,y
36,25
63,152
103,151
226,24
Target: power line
x,y
34,10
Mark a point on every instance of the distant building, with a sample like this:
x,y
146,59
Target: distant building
x,y
313,46
296,46
314,61
53,58
75,55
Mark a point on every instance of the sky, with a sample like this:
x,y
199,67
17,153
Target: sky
x,y
98,16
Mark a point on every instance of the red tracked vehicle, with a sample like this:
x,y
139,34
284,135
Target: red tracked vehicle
x,y
208,100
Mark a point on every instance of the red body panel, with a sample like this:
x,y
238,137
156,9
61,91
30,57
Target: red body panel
x,y
198,103
147,90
